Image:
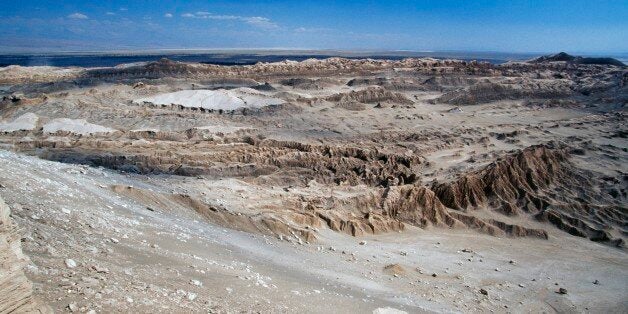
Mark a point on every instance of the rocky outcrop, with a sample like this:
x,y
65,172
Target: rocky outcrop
x,y
390,209
541,182
484,92
447,82
370,95
369,223
394,84
507,184
307,83
252,157
16,292
333,66
419,206
422,83
416,205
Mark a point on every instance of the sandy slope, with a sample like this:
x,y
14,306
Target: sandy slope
x,y
75,126
25,122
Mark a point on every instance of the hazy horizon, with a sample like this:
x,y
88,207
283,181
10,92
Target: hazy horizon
x,y
200,50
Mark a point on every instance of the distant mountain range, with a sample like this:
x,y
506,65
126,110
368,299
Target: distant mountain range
x,y
565,57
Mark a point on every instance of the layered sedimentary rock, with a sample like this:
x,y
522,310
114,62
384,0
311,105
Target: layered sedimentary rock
x,y
16,292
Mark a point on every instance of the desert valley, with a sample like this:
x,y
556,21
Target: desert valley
x,y
324,185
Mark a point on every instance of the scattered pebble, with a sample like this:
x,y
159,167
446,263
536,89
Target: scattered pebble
x,y
73,307
191,296
70,263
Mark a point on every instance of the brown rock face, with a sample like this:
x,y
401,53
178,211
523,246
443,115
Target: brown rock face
x,y
16,292
416,205
541,181
396,206
507,184
419,206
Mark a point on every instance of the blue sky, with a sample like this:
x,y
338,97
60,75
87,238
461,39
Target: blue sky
x,y
505,26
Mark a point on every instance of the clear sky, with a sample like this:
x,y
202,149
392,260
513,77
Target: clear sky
x,y
592,26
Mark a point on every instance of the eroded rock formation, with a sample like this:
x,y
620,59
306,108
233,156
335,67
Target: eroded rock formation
x,y
370,95
540,181
16,292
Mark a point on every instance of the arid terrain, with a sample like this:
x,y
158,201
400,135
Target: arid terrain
x,y
321,186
